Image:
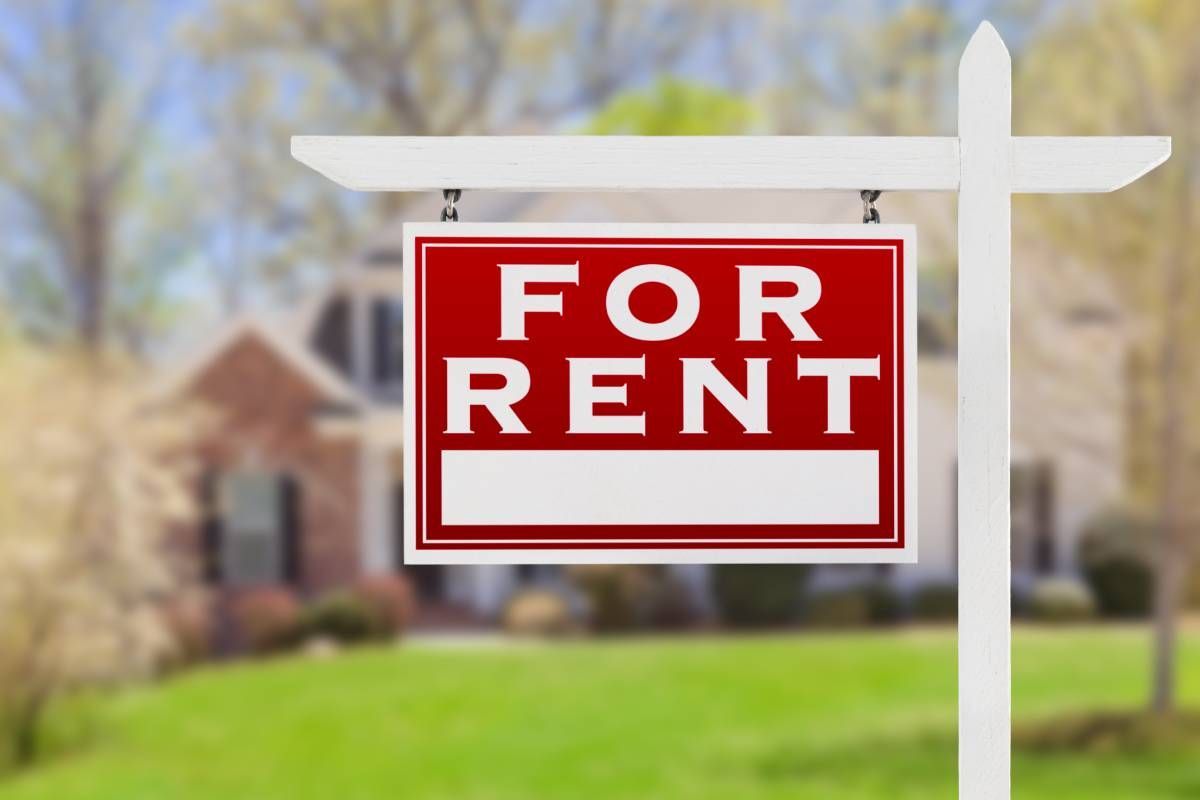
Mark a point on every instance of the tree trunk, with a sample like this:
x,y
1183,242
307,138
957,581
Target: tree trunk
x,y
25,731
1168,585
1172,548
94,179
93,265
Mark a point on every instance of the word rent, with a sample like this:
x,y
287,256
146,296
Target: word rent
x,y
786,292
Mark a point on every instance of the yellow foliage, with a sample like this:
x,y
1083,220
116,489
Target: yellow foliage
x,y
93,471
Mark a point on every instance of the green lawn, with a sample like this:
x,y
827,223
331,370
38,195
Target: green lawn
x,y
854,716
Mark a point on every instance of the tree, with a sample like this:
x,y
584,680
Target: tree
x,y
80,88
91,478
262,226
400,67
1120,67
674,107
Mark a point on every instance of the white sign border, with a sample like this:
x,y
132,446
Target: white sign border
x,y
905,555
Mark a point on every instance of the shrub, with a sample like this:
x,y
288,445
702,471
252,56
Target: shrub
x,y
1061,600
390,599
342,616
630,597
1112,555
936,602
188,620
618,596
885,602
1103,734
755,595
671,605
266,619
839,608
537,612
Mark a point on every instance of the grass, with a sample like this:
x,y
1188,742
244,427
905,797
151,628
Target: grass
x,y
813,716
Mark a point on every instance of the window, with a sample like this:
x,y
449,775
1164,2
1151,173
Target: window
x,y
1032,516
255,515
387,342
1033,539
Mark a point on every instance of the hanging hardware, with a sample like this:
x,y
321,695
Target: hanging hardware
x,y
870,213
449,211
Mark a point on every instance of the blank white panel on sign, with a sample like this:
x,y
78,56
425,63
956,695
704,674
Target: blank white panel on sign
x,y
660,487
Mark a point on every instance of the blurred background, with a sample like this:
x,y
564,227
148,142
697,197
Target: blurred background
x,y
201,585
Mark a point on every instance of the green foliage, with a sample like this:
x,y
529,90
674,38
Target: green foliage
x,y
760,718
674,107
632,597
885,603
936,602
1106,733
755,595
1061,600
874,603
838,608
1112,554
345,617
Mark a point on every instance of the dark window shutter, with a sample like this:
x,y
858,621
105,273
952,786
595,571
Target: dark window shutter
x,y
290,524
381,326
1043,514
210,533
398,522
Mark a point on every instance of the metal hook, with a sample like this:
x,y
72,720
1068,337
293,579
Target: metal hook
x,y
449,211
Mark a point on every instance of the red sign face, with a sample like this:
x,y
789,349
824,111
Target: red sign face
x,y
649,393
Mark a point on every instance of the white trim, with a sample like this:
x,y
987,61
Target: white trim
x,y
332,386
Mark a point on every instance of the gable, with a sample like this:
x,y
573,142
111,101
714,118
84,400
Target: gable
x,y
249,358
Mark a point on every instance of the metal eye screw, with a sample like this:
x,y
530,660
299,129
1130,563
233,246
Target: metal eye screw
x,y
870,213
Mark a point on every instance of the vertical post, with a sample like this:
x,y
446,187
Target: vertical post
x,y
984,268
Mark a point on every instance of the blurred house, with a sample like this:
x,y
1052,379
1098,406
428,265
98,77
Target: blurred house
x,y
304,481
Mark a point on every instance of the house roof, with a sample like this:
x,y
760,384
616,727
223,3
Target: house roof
x,y
335,389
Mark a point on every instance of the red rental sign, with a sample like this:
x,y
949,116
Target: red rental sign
x,y
659,393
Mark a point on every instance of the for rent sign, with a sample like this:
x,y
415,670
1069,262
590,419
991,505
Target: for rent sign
x,y
650,393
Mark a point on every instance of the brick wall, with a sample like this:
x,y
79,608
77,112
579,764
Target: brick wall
x,y
264,408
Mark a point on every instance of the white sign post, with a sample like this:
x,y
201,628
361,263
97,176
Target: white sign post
x,y
984,163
